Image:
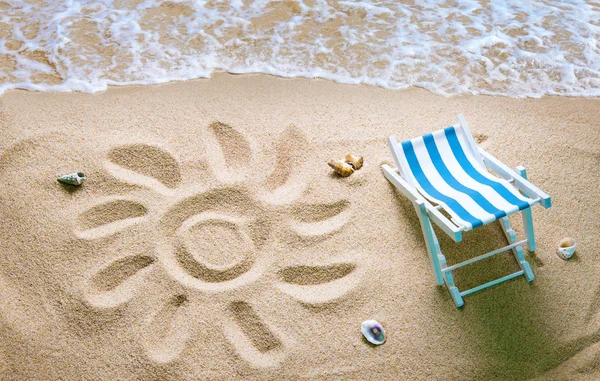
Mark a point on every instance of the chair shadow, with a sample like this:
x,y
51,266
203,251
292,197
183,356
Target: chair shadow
x,y
505,323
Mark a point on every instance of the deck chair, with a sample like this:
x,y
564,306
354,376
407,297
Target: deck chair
x,y
446,170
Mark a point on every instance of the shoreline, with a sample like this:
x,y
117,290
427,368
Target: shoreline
x,y
327,253
221,72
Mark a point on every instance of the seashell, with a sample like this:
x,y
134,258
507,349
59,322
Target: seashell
x,y
355,161
74,178
373,332
566,248
341,168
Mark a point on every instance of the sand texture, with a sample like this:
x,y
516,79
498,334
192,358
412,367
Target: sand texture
x,y
211,240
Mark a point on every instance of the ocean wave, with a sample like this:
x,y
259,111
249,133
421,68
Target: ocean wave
x,y
501,47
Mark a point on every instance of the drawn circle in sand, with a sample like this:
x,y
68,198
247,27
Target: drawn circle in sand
x,y
212,239
210,251
218,244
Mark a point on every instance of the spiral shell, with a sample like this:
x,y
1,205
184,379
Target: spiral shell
x,y
341,168
355,161
73,178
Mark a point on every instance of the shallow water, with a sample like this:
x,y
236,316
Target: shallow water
x,y
499,47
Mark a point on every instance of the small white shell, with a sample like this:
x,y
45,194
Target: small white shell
x,y
566,248
73,178
373,332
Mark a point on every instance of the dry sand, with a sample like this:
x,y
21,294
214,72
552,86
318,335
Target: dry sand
x,y
212,242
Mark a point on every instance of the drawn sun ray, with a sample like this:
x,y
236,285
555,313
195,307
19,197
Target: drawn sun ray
x,y
167,331
109,216
144,165
317,284
118,281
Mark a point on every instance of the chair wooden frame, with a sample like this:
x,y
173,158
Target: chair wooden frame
x,y
427,213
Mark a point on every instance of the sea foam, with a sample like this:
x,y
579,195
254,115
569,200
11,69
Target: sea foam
x,y
498,47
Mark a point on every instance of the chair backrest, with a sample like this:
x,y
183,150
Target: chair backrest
x,y
450,138
446,167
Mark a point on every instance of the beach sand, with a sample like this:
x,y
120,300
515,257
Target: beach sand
x,y
211,240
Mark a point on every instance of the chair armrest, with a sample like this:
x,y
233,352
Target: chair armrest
x,y
449,227
522,184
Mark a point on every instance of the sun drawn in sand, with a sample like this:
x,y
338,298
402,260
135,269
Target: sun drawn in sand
x,y
220,237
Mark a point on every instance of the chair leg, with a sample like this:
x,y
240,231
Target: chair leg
x,y
449,280
528,227
527,218
454,292
433,247
438,260
511,236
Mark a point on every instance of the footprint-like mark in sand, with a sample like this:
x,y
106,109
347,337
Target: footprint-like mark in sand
x,y
108,217
167,331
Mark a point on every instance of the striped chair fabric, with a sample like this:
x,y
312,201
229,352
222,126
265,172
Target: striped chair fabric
x,y
443,167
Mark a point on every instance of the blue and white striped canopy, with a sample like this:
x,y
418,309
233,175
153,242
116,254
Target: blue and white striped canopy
x,y
444,168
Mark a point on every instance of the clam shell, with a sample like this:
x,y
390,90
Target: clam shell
x,y
341,168
373,332
75,178
355,160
